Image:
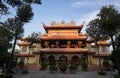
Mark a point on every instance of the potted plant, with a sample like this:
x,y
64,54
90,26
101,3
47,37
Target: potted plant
x,y
63,67
84,66
53,68
72,68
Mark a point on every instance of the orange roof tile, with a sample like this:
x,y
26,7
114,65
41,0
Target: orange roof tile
x,y
63,38
104,43
90,52
102,55
32,46
63,50
24,55
62,27
24,44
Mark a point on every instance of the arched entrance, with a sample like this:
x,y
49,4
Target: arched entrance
x,y
51,60
75,60
63,60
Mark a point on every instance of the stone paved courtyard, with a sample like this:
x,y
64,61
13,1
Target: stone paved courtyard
x,y
47,74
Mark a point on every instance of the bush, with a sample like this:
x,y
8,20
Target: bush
x,y
116,76
25,72
53,68
73,67
6,76
101,73
84,66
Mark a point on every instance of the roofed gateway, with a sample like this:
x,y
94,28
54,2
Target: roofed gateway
x,y
63,44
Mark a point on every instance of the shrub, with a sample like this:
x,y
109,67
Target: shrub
x,y
53,68
25,72
101,73
73,67
84,66
6,76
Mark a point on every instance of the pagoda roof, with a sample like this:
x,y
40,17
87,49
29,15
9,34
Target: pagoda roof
x,y
63,50
90,52
25,55
24,43
46,37
63,27
103,43
102,55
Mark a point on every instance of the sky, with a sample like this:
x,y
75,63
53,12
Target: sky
x,y
67,10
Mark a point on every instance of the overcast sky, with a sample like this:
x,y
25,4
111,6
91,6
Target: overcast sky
x,y
67,10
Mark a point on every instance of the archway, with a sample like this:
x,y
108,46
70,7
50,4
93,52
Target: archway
x,y
63,60
51,60
75,60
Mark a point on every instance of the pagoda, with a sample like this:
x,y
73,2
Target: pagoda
x,y
64,43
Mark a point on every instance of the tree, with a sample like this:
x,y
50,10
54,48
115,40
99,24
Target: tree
x,y
117,44
109,24
15,25
95,34
34,38
5,4
5,44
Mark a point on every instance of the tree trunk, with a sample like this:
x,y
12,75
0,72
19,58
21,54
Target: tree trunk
x,y
117,63
12,55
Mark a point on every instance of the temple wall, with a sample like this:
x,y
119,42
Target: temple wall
x,y
96,61
62,32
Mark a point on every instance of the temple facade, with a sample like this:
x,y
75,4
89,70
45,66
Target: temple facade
x,y
63,44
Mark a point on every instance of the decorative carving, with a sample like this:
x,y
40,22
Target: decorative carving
x,y
43,23
53,23
72,23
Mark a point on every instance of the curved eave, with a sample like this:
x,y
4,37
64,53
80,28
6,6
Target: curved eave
x,y
89,41
102,55
90,52
36,52
103,43
32,46
23,44
24,55
63,38
23,39
62,27
60,50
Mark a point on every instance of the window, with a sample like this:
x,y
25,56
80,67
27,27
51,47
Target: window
x,y
32,50
104,49
24,49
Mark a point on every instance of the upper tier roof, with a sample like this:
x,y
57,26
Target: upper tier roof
x,y
63,25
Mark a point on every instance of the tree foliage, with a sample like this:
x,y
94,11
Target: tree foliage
x,y
109,21
34,38
15,25
5,44
4,4
109,25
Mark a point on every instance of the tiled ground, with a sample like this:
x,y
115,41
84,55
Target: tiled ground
x,y
47,74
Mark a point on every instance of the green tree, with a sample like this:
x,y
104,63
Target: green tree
x,y
109,24
5,44
117,47
15,25
95,34
6,4
34,38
